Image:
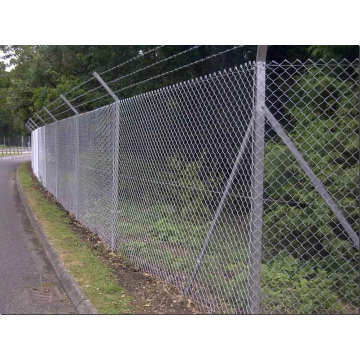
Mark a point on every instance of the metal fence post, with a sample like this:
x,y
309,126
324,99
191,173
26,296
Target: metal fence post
x,y
116,153
56,159
77,151
258,183
116,141
45,156
77,140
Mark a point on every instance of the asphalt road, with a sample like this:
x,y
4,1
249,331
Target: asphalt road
x,y
28,283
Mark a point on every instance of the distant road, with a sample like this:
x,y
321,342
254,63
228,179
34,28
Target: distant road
x,y
23,262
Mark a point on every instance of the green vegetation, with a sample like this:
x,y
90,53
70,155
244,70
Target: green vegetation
x,y
290,286
9,153
42,72
93,275
309,264
323,123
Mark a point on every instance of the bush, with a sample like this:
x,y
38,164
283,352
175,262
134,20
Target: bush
x,y
290,286
323,121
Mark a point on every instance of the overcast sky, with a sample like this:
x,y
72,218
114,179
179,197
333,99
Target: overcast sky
x,y
5,61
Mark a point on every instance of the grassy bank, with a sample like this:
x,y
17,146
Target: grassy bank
x,y
93,275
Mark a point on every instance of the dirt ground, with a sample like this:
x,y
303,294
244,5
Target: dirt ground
x,y
150,295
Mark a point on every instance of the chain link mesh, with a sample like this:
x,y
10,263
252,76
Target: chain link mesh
x,y
310,262
172,179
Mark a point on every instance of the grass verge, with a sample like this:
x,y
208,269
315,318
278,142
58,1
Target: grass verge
x,y
92,274
11,154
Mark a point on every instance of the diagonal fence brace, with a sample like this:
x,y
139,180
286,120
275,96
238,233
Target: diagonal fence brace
x,y
313,178
221,205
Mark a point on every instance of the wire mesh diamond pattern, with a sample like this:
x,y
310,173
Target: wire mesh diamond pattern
x,y
168,178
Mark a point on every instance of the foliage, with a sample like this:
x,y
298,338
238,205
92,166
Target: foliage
x,y
191,191
40,73
324,120
318,273
323,123
290,286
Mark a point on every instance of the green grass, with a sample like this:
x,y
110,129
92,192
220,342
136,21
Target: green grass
x,y
93,275
8,154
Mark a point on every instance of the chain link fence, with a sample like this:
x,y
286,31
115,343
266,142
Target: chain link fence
x,y
240,188
10,145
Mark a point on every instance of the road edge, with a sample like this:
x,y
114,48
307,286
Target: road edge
x,y
80,301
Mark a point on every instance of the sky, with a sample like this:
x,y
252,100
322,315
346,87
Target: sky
x,y
5,61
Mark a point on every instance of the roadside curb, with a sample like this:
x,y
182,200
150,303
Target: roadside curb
x,y
72,288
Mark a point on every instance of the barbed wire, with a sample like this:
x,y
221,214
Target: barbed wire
x,y
42,110
156,63
58,107
90,101
87,92
135,72
115,67
160,75
177,69
106,71
63,112
78,86
128,75
132,59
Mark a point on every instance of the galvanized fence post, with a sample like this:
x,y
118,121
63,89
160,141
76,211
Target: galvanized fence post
x,y
77,146
258,183
45,152
56,160
116,153
77,150
115,161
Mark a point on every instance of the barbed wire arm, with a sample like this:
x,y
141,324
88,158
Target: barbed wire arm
x,y
105,86
50,114
69,104
28,128
33,123
40,118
